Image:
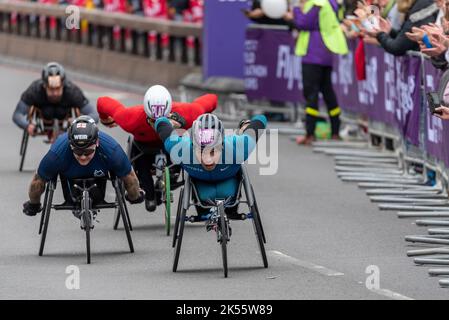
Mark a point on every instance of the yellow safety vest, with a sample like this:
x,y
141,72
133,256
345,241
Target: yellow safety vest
x,y
333,36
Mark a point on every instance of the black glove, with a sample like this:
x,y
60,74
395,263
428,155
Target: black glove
x,y
243,122
178,118
140,199
31,209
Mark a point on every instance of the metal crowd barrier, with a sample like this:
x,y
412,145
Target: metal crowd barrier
x,y
395,176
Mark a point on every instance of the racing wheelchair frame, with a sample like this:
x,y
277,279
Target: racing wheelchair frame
x,y
162,183
35,117
189,196
86,210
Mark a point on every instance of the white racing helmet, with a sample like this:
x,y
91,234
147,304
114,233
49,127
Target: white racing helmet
x,y
157,102
207,131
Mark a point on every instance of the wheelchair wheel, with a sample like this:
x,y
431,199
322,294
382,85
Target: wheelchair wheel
x,y
259,236
167,200
86,222
182,221
223,238
122,213
46,212
178,216
258,216
41,224
23,149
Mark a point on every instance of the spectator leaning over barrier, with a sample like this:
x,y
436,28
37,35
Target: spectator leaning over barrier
x,y
320,36
417,13
433,38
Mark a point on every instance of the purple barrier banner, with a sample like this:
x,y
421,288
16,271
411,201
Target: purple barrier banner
x,y
223,46
436,128
390,94
272,70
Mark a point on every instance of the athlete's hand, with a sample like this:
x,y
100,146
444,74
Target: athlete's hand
x,y
139,199
443,113
177,120
31,129
31,209
108,122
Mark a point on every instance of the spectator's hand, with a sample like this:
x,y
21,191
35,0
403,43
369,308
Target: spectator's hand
x,y
288,16
443,113
256,14
31,129
433,29
370,40
438,47
384,25
416,35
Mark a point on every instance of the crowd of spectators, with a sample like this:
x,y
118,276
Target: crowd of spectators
x,y
177,10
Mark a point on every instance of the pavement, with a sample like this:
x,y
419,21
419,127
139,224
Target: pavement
x,y
325,239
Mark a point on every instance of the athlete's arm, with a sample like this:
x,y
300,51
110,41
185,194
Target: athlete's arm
x,y
126,118
37,188
132,186
20,115
191,111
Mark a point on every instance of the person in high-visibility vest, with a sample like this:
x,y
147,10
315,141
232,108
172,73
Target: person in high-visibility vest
x,y
320,37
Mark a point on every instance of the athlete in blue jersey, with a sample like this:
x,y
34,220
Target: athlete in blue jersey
x,y
211,159
82,153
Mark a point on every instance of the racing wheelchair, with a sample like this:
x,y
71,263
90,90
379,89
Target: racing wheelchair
x,y
51,131
189,196
165,174
85,209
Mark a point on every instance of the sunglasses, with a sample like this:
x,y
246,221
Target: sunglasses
x,y
83,152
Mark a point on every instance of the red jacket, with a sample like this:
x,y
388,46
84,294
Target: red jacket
x,y
134,119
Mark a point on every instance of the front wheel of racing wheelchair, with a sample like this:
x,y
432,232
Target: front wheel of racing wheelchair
x,y
189,196
86,210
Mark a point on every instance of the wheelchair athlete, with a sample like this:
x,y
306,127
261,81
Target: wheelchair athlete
x,y
54,96
139,121
212,160
83,153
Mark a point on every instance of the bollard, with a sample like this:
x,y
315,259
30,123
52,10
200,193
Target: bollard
x,y
152,41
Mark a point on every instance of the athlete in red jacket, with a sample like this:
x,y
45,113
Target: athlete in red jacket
x,y
138,121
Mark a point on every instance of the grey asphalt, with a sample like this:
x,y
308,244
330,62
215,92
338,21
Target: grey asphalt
x,y
310,217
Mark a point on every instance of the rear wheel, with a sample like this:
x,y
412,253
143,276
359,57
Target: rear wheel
x,y
167,200
178,217
179,239
259,235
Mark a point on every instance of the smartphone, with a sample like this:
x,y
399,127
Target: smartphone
x,y
433,101
426,41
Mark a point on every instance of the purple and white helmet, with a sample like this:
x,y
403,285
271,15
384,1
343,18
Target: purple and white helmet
x,y
157,102
207,131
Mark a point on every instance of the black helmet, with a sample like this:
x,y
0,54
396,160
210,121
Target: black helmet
x,y
83,132
53,69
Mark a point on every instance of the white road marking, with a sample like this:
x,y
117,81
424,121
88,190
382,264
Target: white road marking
x,y
332,273
305,264
390,294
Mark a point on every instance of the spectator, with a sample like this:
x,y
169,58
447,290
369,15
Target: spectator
x,y
176,9
417,13
320,37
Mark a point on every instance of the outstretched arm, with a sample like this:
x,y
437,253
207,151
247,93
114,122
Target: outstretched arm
x,y
20,115
191,111
126,118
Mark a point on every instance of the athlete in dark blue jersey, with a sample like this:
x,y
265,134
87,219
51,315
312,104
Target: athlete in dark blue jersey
x,y
83,152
